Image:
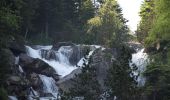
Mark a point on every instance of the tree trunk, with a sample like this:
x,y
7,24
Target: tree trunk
x,y
26,33
46,30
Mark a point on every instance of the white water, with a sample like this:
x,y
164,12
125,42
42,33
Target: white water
x,y
140,59
63,66
20,69
84,60
32,93
12,98
16,60
49,85
17,63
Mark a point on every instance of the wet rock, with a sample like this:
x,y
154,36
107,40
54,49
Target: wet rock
x,y
40,67
78,52
17,48
66,82
56,46
48,54
24,59
35,80
7,56
7,61
134,45
14,80
100,60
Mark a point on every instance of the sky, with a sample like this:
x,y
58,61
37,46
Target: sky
x,y
130,11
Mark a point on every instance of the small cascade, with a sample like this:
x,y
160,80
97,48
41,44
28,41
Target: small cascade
x,y
17,64
20,69
61,64
64,54
84,60
49,85
12,98
32,94
140,60
16,60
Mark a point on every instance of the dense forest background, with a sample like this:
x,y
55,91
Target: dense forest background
x,y
154,32
80,21
95,22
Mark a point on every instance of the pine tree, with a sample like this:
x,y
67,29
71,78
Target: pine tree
x,y
108,26
85,84
122,85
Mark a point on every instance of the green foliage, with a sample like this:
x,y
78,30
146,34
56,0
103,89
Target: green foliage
x,y
5,63
147,15
9,19
122,85
108,25
161,28
85,84
3,94
157,85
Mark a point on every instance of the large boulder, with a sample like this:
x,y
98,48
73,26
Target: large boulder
x,y
35,81
78,52
134,46
14,80
66,82
24,59
48,54
7,62
16,48
7,57
101,60
56,46
38,66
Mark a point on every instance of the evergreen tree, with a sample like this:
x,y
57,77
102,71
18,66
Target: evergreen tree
x,y
9,16
147,15
161,27
122,85
85,84
108,25
28,13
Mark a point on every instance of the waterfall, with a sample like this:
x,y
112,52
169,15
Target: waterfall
x,y
20,69
49,85
84,60
32,93
60,61
140,59
17,63
16,60
63,66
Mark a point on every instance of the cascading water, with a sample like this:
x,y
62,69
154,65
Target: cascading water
x,y
59,61
140,59
12,98
49,85
63,66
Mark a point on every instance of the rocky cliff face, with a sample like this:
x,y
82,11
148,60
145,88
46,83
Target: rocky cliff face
x,y
31,68
41,71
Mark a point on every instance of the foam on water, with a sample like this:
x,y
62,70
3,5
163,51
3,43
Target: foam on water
x,y
140,59
62,67
49,85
